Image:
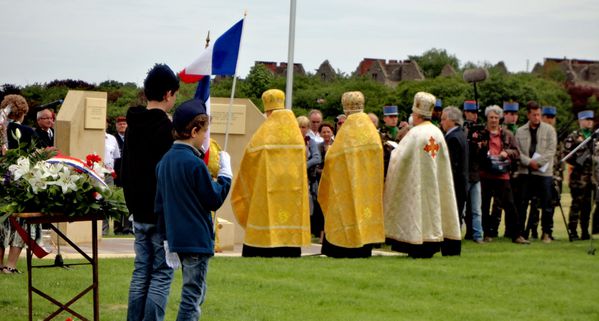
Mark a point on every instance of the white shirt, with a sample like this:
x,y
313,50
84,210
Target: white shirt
x,y
315,136
111,150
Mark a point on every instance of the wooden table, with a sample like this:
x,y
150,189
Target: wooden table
x,y
38,218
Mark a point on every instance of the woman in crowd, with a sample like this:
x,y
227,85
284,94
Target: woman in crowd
x,y
313,159
327,133
497,151
18,136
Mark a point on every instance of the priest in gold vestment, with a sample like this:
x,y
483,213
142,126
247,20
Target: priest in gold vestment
x,y
421,214
351,187
270,193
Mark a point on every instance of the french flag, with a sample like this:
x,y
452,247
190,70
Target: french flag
x,y
219,58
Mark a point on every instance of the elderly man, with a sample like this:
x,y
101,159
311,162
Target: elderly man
x,y
418,218
270,193
353,204
315,117
581,183
537,146
455,136
44,131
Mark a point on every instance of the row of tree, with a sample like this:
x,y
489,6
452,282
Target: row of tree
x,y
311,92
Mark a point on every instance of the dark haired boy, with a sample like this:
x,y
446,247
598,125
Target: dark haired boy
x,y
185,196
147,139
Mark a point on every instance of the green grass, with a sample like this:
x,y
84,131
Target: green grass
x,y
497,281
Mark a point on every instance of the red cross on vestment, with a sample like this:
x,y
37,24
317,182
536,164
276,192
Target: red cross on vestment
x,y
432,148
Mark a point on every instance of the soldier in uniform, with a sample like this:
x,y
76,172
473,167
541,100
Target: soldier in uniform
x,y
510,116
581,184
473,217
390,132
549,115
437,111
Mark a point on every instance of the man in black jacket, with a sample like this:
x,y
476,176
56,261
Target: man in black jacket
x,y
147,139
455,136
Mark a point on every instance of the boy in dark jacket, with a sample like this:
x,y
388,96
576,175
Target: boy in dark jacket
x,y
147,139
185,195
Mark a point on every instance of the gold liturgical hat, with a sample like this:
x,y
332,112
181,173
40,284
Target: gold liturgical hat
x,y
424,104
353,102
273,99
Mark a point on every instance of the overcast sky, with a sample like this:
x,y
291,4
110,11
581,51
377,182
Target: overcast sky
x,y
43,40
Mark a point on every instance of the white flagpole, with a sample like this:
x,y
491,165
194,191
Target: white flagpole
x,y
289,86
233,87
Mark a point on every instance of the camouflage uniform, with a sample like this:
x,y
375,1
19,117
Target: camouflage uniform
x,y
581,182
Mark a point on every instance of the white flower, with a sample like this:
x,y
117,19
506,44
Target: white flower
x,y
18,134
66,180
20,169
37,179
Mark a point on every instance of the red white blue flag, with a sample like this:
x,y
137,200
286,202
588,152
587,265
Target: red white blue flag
x,y
219,58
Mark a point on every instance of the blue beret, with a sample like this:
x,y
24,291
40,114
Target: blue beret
x,y
549,111
510,106
390,110
186,112
438,104
586,114
470,105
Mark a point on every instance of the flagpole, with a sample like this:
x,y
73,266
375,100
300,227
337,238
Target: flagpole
x,y
233,87
290,65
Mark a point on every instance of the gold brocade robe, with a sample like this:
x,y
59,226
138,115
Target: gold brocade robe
x,y
351,187
270,192
420,203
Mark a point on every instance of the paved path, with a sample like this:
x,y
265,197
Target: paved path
x,y
123,248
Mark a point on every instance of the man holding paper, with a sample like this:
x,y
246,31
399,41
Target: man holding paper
x,y
537,143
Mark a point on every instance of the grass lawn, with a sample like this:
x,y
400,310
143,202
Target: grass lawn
x,y
497,281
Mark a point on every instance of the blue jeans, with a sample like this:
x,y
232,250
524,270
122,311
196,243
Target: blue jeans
x,y
474,196
151,280
193,292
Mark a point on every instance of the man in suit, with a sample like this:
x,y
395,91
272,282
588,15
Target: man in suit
x,y
455,136
44,131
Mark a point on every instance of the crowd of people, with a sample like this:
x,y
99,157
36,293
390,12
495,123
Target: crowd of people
x,y
352,184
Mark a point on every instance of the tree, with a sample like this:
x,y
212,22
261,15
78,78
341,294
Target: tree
x,y
433,60
258,81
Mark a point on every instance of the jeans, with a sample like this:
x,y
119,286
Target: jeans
x,y
193,292
151,280
474,197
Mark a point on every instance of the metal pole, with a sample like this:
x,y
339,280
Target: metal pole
x,y
289,87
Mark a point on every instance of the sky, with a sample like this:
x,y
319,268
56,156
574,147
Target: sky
x,y
94,41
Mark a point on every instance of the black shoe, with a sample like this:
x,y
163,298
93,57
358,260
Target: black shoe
x,y
585,236
534,235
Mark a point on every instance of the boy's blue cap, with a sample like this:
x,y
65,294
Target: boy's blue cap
x,y
510,106
586,114
549,111
390,110
470,105
438,104
186,112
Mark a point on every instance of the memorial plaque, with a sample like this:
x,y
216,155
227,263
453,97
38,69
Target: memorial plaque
x,y
95,113
219,114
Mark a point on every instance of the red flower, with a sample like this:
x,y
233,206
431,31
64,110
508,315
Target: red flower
x,y
92,159
69,319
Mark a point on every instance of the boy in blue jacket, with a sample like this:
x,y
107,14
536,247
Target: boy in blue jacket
x,y
185,196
